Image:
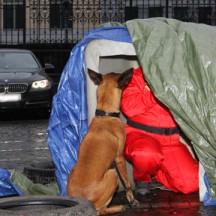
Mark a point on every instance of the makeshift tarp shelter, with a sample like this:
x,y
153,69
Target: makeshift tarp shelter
x,y
179,63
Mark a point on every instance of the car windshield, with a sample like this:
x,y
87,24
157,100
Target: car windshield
x,y
16,60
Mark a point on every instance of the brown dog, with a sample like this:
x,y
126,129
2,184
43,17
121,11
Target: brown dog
x,y
92,178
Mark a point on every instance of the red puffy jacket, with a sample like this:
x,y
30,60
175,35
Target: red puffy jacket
x,y
161,156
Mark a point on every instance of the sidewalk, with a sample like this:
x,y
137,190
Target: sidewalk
x,y
24,142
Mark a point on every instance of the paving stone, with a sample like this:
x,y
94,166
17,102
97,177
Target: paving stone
x,y
23,141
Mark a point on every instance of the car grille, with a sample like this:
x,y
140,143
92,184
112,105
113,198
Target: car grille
x,y
13,87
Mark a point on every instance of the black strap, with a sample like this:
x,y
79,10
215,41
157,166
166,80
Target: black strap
x,y
103,113
121,179
155,130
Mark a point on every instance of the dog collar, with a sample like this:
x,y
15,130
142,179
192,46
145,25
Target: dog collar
x,y
110,114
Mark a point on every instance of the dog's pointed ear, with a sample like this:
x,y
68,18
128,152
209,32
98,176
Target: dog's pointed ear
x,y
95,77
125,78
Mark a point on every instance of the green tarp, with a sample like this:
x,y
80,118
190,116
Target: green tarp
x,y
27,187
179,63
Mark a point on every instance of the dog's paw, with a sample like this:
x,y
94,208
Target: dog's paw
x,y
124,208
135,203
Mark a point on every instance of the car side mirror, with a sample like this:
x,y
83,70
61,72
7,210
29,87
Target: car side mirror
x,y
49,68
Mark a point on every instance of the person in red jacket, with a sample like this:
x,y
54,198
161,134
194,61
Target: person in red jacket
x,y
153,142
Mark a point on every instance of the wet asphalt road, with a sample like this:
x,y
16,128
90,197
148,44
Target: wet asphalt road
x,y
23,139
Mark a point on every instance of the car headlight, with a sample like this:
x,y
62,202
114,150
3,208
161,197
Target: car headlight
x,y
41,84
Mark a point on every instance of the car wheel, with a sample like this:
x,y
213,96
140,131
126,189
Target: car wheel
x,y
40,172
46,206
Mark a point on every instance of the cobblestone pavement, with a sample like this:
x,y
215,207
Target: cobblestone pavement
x,y
23,140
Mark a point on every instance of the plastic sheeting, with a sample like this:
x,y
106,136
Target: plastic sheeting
x,y
179,62
68,119
14,183
7,187
28,187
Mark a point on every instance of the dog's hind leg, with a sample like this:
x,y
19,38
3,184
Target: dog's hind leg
x,y
122,169
105,191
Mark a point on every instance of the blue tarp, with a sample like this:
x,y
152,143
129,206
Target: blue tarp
x,y
68,120
7,188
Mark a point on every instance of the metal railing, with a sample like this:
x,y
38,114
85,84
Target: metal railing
x,y
67,21
51,26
